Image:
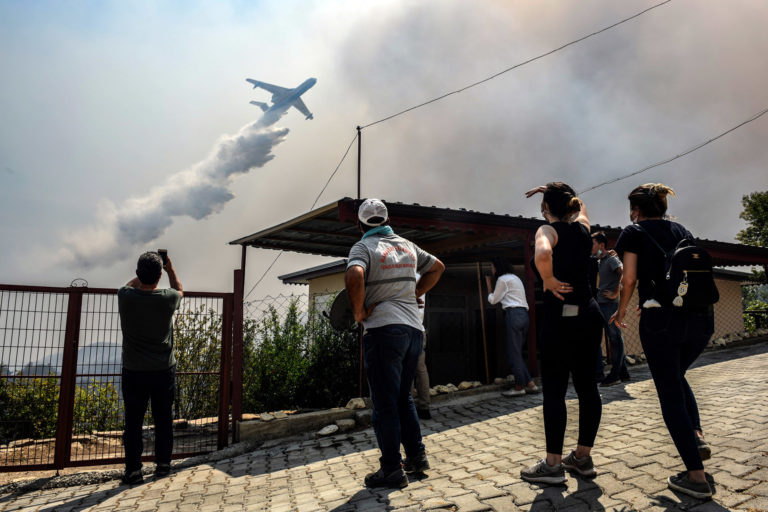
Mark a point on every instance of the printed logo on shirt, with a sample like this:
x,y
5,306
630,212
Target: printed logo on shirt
x,y
398,249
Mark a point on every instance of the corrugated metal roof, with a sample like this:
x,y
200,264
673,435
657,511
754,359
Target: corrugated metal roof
x,y
455,234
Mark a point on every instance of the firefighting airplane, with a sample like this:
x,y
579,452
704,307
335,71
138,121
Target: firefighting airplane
x,y
282,98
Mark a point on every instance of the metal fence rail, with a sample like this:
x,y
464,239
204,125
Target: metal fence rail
x,y
60,377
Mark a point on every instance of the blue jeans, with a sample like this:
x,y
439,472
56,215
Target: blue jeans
x,y
517,330
618,361
391,354
672,340
138,389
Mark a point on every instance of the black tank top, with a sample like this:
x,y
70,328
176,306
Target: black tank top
x,y
570,264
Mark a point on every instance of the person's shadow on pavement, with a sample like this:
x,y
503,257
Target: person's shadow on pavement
x,y
554,497
365,499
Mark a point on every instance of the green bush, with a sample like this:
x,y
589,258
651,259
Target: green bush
x,y
297,362
97,408
28,408
197,342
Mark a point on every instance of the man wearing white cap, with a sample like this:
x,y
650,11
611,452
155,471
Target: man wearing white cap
x,y
382,286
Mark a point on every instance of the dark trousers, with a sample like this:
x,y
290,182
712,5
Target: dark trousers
x,y
391,353
138,389
672,340
517,330
618,360
568,346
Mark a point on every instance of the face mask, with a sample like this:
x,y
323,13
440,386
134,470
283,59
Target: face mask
x,y
599,253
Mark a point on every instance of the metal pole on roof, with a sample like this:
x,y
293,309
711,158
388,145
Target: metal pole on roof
x,y
359,148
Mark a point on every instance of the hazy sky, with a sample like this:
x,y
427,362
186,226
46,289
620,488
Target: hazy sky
x,y
111,109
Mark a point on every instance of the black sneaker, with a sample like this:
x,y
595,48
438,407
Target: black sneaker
x,y
704,449
680,483
162,470
424,414
133,477
416,464
626,378
541,472
581,465
607,382
394,480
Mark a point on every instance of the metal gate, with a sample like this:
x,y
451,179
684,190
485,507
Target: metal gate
x,y
60,373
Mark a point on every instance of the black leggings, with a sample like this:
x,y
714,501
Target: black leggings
x,y
568,346
672,340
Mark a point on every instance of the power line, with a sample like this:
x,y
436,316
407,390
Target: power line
x,y
680,155
335,171
517,65
262,275
313,205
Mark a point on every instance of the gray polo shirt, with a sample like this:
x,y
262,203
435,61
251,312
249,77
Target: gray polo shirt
x,y
390,263
609,278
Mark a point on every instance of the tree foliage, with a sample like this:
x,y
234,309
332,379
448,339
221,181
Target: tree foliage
x,y
756,233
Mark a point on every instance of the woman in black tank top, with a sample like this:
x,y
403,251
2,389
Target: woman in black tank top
x,y
572,331
672,338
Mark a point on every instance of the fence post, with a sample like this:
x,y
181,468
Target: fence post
x,y
64,419
237,350
224,373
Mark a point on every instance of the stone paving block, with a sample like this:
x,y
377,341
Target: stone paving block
x,y
503,504
436,503
469,503
647,483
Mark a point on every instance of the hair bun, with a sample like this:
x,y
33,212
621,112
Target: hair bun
x,y
574,205
660,190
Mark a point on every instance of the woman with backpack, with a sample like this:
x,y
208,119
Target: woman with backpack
x,y
672,336
573,329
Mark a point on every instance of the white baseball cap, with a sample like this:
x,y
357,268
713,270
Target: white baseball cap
x,y
372,212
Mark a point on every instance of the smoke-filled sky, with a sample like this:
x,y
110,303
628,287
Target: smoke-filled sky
x,y
126,125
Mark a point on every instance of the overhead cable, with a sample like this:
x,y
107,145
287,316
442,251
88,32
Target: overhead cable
x,y
344,157
517,65
680,155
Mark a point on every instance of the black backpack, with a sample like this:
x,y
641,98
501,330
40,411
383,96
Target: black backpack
x,y
689,282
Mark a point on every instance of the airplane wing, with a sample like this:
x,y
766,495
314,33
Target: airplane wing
x,y
302,108
274,89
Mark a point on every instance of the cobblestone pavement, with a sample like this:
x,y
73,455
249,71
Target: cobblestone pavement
x,y
477,447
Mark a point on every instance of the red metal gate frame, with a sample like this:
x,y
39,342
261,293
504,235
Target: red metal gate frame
x,y
65,417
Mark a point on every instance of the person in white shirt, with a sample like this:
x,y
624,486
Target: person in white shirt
x,y
509,291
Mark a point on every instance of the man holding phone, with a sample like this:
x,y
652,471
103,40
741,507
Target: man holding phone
x,y
149,366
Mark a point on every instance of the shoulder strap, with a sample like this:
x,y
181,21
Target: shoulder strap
x,y
652,239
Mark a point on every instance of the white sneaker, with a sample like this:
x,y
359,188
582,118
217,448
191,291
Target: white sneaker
x,y
513,392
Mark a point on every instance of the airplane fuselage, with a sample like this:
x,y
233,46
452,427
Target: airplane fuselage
x,y
283,98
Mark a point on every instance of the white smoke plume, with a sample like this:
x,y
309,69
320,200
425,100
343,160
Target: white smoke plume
x,y
197,192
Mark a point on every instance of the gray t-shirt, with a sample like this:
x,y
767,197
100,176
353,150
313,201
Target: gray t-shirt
x,y
390,263
609,278
146,319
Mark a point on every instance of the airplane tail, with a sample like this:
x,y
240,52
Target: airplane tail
x,y
262,106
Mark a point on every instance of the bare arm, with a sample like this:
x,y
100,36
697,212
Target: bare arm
x,y
546,240
628,283
172,278
354,281
582,216
430,278
133,283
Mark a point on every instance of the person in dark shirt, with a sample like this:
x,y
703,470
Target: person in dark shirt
x,y
149,366
672,338
571,334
